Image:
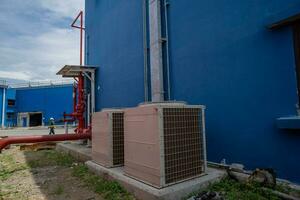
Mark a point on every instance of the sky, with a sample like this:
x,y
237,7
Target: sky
x,y
36,39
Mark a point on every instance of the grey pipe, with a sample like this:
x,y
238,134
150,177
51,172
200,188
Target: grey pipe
x,y
156,60
166,4
145,50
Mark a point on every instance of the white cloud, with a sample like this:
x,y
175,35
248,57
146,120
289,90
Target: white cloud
x,y
34,47
63,8
15,75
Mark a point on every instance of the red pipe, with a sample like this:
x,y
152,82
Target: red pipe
x,y
41,138
79,108
81,36
81,32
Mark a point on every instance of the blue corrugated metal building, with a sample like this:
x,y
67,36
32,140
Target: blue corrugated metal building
x,y
34,105
42,103
217,53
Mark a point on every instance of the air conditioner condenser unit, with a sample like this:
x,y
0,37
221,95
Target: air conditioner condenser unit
x,y
164,143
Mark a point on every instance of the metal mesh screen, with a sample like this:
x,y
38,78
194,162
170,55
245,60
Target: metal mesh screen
x,y
183,148
118,138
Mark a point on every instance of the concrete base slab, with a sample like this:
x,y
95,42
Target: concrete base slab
x,y
78,151
139,189
146,192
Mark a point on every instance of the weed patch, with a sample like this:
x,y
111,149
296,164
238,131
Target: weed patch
x,y
110,190
48,158
233,190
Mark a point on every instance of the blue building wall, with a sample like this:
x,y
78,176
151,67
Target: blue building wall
x,y
52,101
10,111
115,43
222,56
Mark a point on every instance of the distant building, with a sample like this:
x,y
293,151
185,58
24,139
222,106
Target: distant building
x,y
27,105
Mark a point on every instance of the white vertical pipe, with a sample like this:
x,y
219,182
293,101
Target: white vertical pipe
x,y
89,144
156,60
93,91
3,106
66,128
88,109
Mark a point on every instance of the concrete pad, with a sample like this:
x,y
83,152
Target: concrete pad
x,y
78,151
146,192
139,189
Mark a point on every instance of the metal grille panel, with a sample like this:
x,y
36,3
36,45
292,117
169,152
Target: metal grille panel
x,y
118,138
183,146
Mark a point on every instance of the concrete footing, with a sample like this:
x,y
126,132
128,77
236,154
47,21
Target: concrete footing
x,y
139,189
146,192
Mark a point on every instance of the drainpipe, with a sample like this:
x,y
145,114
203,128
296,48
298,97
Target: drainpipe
x,y
145,44
166,6
156,59
3,106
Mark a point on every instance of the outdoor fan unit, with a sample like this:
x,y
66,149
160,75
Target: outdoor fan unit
x,y
164,143
108,138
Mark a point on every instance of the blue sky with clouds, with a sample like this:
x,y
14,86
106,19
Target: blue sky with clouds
x,y
36,39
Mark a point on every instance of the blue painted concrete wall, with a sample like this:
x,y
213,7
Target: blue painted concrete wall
x,y
222,56
52,101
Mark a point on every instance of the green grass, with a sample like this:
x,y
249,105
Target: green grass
x,y
233,190
48,158
110,190
8,166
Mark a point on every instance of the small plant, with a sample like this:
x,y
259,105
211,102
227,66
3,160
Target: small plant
x,y
59,190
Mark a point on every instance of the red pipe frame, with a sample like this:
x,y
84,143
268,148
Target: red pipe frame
x,y
79,108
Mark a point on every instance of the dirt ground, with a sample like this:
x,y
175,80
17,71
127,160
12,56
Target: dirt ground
x,y
29,176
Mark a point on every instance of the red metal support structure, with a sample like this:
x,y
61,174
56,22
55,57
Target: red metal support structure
x,y
79,109
80,15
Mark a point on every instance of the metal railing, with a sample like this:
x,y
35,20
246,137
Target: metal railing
x,y
41,83
3,83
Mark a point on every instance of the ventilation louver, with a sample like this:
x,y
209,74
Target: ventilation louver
x,y
108,138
